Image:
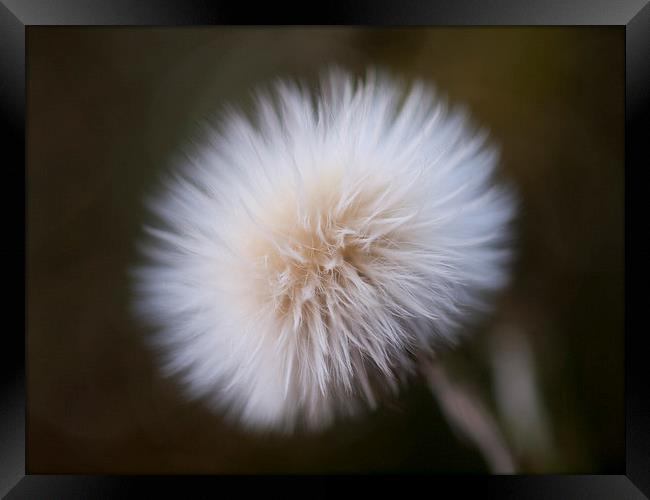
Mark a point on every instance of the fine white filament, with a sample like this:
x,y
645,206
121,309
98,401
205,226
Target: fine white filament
x,y
309,256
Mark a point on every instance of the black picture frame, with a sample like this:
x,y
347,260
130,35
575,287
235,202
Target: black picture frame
x,y
17,15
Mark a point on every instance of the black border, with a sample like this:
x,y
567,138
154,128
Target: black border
x,y
14,18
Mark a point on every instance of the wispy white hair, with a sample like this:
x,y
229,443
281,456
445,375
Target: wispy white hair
x,y
310,255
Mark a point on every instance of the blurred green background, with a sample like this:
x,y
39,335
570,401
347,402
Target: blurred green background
x,y
108,108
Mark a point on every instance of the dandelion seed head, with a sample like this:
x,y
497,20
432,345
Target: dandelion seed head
x,y
306,258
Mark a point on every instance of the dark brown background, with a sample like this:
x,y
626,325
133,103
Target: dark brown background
x,y
108,107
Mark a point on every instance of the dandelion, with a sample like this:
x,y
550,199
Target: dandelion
x,y
309,257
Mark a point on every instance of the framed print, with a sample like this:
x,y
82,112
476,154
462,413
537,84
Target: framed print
x,y
396,240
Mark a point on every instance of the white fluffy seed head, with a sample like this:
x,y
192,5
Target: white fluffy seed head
x,y
310,255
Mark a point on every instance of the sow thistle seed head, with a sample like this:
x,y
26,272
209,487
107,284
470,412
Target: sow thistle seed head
x,y
309,257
